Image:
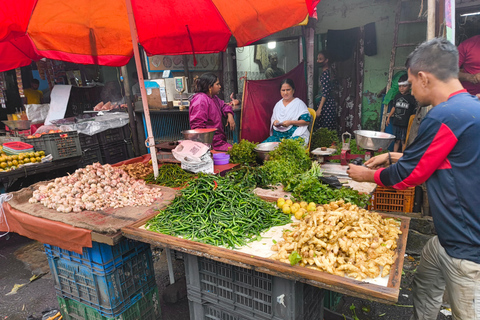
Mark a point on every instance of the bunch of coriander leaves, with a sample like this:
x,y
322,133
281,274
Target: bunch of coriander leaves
x,y
243,153
324,137
287,160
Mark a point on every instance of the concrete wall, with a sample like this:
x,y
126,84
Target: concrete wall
x,y
345,14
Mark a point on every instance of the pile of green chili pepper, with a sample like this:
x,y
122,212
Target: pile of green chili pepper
x,y
213,210
170,175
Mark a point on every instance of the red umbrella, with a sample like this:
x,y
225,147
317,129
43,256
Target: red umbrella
x,y
97,31
17,52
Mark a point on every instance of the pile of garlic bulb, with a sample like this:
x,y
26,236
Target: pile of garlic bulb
x,y
95,187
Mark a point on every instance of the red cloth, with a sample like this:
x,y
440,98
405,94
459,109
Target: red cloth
x,y
469,61
46,231
260,99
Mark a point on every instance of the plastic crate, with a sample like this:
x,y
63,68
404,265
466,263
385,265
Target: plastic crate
x,y
100,257
146,308
88,141
61,145
221,291
110,136
114,152
392,200
90,155
130,153
110,293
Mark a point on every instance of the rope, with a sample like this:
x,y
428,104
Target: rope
x,y
3,198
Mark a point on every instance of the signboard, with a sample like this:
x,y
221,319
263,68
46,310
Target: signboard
x,y
205,62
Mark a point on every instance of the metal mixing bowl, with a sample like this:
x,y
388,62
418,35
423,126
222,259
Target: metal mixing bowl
x,y
373,140
200,135
18,124
263,149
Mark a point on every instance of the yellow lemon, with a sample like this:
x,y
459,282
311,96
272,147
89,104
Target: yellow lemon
x,y
295,207
9,158
3,164
15,157
288,202
26,160
280,202
33,160
303,204
21,156
21,162
286,209
300,213
37,154
15,162
38,159
311,208
9,163
41,152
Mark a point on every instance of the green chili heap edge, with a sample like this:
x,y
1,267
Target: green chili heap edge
x,y
214,211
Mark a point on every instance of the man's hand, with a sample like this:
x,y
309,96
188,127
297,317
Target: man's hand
x,y
360,173
388,121
376,162
231,122
477,77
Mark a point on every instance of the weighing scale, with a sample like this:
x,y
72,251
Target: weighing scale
x,y
371,141
17,125
180,87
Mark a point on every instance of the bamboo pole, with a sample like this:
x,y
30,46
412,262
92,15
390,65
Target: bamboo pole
x,y
150,142
241,108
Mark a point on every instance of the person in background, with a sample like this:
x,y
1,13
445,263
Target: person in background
x,y
273,70
445,154
403,106
326,107
32,94
207,110
290,118
469,63
136,87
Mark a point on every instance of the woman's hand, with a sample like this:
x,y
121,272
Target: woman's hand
x,y
231,121
233,101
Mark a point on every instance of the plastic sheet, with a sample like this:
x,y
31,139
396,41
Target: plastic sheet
x,y
37,113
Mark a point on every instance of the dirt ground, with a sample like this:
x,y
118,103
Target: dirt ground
x,y
21,258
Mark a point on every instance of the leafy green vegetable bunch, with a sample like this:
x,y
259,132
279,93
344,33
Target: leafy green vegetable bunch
x,y
243,152
310,189
323,137
247,177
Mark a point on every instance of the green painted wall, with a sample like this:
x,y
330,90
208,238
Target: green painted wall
x,y
345,14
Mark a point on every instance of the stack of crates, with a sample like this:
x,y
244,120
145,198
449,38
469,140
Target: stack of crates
x,y
105,282
90,150
388,199
221,291
115,144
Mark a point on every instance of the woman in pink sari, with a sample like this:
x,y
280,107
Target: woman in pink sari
x,y
206,110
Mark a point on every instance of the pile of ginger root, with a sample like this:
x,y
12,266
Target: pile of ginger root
x,y
342,239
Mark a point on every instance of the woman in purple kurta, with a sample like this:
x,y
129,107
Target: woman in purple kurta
x,y
206,110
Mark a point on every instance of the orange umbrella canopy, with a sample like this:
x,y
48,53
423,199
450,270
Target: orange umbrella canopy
x,y
98,32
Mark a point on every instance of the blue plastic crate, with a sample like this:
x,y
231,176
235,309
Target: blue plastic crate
x,y
146,308
108,292
100,257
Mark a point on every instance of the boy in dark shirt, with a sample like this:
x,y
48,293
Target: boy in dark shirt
x,y
403,106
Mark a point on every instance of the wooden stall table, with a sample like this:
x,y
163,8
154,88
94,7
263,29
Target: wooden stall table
x,y
386,293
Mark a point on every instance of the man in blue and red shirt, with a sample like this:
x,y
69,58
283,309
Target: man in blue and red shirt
x,y
445,155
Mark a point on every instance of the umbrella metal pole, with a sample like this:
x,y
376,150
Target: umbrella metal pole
x,y
150,142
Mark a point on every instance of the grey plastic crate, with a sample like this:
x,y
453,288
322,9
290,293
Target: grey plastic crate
x,y
221,291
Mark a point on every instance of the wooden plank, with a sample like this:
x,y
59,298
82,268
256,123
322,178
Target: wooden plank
x,y
388,294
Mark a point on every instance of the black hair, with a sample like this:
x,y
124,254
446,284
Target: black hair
x,y
403,78
204,82
437,56
272,54
289,82
35,81
326,54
